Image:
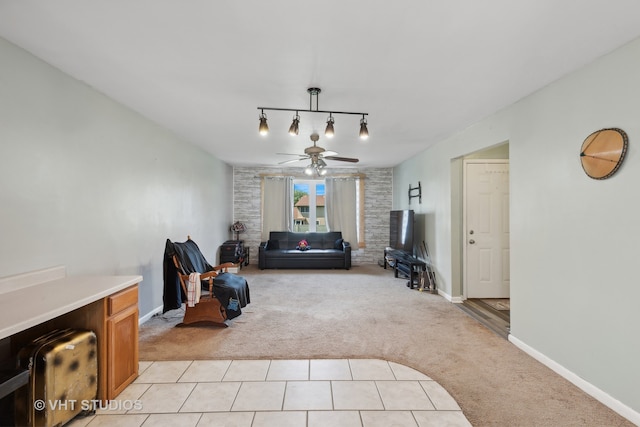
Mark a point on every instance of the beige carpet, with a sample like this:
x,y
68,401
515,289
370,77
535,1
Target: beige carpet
x,y
367,313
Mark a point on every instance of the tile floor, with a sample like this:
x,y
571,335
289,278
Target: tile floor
x,y
279,393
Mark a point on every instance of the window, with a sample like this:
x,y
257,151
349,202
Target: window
x,y
308,206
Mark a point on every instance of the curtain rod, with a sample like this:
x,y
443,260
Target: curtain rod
x,y
281,175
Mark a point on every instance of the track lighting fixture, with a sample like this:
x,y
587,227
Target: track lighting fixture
x,y
364,132
329,130
294,128
264,127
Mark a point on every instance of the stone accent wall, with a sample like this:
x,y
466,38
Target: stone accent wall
x,y
378,201
377,204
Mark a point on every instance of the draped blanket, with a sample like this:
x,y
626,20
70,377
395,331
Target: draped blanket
x,y
231,290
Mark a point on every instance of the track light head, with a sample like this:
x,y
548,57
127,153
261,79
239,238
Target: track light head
x,y
294,129
328,132
364,132
264,127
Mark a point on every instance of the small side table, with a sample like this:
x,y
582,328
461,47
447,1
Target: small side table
x,y
234,251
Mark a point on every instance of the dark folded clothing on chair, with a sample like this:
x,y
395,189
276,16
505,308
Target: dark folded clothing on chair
x,y
232,291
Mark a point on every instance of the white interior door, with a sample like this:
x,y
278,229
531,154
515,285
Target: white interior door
x,y
487,229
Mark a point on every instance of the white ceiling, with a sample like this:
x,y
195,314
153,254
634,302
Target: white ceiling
x,y
422,69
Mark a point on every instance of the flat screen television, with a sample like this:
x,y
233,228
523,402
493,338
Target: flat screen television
x,y
401,224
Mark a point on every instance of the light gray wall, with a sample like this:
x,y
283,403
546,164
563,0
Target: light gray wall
x,y
90,184
378,196
574,286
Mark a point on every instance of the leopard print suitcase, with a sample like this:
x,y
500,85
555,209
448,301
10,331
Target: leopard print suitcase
x,y
63,378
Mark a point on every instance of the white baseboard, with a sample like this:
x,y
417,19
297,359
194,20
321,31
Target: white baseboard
x,y
455,300
585,386
444,295
149,315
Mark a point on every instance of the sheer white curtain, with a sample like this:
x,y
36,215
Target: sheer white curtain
x,y
341,211
277,205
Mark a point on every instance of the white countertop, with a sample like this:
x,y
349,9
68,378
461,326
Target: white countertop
x,y
29,306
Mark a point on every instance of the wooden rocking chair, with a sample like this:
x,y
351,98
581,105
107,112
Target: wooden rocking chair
x,y
208,309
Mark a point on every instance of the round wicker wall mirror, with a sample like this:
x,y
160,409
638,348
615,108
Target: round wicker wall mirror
x,y
602,152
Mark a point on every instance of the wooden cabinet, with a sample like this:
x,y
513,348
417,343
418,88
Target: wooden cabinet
x,y
122,340
41,301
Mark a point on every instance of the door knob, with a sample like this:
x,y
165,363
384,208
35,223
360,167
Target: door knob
x,y
471,242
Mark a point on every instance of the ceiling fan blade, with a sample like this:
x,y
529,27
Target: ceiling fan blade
x,y
292,161
342,159
329,153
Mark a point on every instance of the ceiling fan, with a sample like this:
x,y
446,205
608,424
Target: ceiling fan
x,y
316,154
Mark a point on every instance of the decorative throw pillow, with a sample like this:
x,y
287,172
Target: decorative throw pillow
x,y
303,245
338,244
273,244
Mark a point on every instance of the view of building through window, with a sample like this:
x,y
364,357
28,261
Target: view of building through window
x,y
308,206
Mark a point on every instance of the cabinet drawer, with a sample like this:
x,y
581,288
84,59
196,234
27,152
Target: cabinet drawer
x,y
123,299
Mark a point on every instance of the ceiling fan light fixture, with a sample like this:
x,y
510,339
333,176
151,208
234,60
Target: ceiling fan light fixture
x,y
364,132
317,155
328,132
321,167
294,129
263,129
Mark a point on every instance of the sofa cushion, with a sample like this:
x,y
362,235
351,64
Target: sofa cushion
x,y
273,244
282,237
338,244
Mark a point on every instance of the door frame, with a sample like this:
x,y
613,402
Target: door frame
x,y
465,162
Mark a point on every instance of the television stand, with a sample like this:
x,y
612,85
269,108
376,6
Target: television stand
x,y
406,263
